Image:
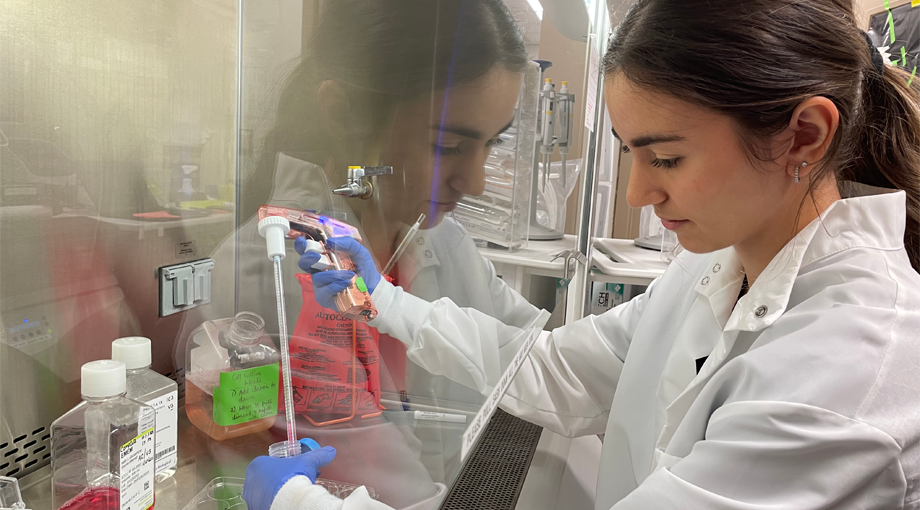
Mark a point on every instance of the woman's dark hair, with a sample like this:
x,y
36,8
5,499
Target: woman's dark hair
x,y
381,53
756,61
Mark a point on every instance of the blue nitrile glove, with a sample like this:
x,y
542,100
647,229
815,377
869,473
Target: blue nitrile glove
x,y
266,475
326,284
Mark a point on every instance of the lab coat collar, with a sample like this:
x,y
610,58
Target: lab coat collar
x,y
419,255
300,184
872,221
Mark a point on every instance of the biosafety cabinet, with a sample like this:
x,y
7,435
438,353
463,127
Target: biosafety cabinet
x,y
138,142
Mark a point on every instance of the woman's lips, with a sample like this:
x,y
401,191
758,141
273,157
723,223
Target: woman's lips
x,y
673,224
444,207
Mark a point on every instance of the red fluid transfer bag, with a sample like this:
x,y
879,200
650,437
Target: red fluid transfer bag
x,y
327,350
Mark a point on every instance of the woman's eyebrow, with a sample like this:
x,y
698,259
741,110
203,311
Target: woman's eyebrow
x,y
646,140
468,132
506,128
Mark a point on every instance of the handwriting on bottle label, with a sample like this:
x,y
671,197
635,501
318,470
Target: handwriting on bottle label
x,y
246,395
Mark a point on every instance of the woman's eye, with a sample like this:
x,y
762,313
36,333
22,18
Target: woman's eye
x,y
624,149
666,163
446,151
494,142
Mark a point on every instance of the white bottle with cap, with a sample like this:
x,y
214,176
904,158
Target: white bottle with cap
x,y
158,391
102,450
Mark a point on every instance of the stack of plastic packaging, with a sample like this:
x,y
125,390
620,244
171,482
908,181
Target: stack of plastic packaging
x,y
501,215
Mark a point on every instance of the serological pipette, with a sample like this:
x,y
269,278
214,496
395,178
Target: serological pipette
x,y
274,229
404,244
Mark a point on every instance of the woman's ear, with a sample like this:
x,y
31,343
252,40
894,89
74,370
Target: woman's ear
x,y
334,110
813,126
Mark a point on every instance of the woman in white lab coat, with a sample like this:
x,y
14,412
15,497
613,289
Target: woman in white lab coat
x,y
423,86
774,364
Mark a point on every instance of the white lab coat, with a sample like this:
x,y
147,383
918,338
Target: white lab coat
x,y
808,391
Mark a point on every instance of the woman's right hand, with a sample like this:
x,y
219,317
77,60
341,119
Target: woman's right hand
x,y
328,283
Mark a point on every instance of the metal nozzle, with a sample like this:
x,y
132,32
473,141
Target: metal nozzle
x,y
356,185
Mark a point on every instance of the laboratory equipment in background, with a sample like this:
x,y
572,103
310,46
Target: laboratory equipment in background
x,y
501,215
231,379
551,189
182,147
549,209
354,302
37,172
10,497
102,451
357,186
155,390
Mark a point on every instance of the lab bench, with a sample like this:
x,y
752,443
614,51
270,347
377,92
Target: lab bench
x,y
537,259
202,459
620,270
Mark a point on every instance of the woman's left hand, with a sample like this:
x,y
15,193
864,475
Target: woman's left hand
x,y
266,475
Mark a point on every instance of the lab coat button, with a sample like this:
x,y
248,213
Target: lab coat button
x,y
428,253
760,311
716,268
705,280
421,241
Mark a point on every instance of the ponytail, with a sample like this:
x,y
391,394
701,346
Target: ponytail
x,y
886,145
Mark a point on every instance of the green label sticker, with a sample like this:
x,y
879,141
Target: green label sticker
x,y
361,285
246,395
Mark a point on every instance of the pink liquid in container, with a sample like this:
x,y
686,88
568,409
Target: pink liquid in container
x,y
103,451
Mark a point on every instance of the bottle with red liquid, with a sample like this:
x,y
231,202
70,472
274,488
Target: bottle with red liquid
x,y
103,451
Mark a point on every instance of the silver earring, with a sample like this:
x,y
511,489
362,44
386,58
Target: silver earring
x,y
803,165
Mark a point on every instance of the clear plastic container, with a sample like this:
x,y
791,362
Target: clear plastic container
x,y
10,497
102,451
340,490
231,380
226,493
155,390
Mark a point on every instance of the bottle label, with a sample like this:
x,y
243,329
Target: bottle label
x,y
246,395
137,460
167,436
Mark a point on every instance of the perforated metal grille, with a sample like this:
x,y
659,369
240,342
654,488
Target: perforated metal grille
x,y
493,477
25,452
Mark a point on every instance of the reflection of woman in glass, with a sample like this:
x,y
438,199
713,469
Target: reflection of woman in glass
x,y
424,86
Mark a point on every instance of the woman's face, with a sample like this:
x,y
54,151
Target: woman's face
x,y
439,143
690,165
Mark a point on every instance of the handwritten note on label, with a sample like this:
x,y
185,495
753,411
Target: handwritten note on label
x,y
246,395
488,408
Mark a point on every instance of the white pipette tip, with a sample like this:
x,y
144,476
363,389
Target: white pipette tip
x,y
273,229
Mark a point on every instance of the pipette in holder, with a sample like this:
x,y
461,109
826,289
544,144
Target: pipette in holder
x,y
352,303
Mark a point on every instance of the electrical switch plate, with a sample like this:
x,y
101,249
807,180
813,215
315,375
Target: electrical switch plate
x,y
184,286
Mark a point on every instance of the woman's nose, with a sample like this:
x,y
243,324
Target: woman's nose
x,y
642,191
469,177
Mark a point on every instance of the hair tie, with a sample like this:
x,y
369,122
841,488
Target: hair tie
x,y
878,62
